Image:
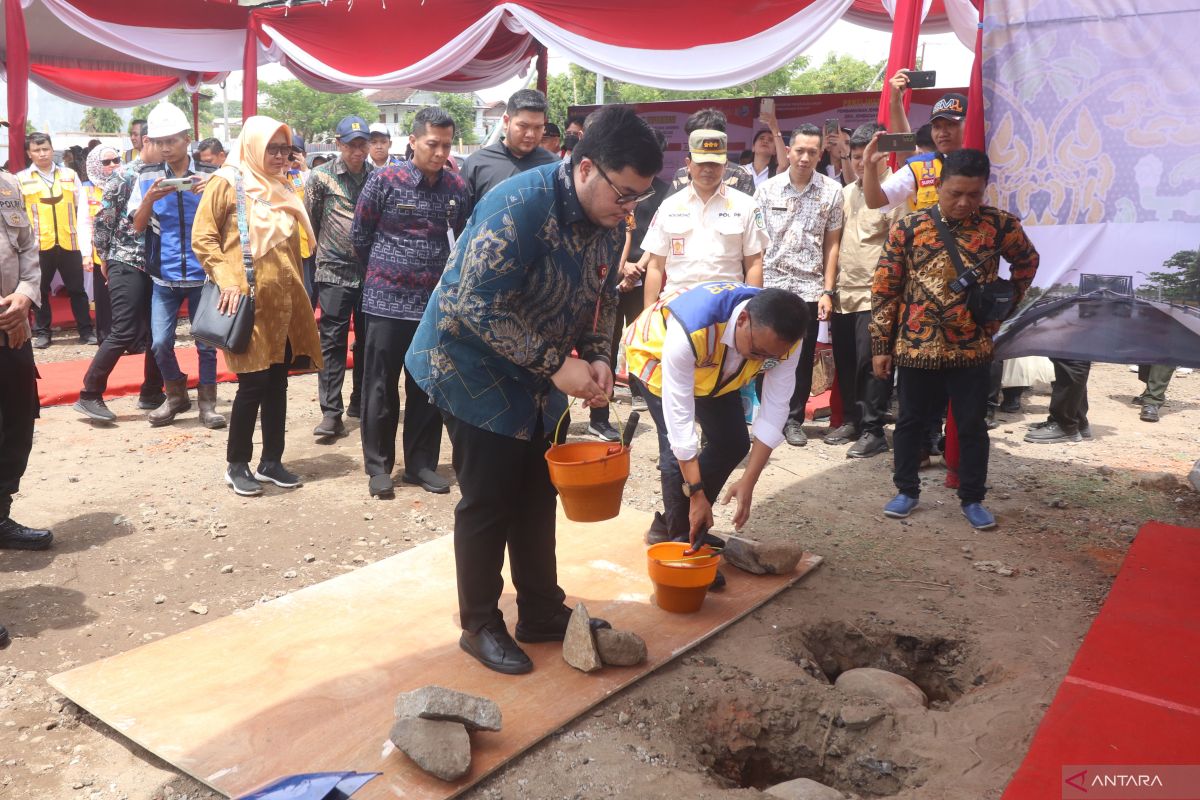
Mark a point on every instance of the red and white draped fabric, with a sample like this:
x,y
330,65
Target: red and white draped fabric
x,y
473,44
937,16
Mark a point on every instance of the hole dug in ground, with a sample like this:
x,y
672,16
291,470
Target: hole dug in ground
x,y
751,732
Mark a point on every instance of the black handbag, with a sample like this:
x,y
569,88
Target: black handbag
x,y
230,332
987,302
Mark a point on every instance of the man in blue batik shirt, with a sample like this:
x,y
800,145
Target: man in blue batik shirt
x,y
532,278
401,232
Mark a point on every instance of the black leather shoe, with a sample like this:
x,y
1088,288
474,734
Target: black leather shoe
x,y
842,434
381,486
89,339
41,341
552,630
658,529
869,444
495,649
331,425
5,640
354,410
428,480
15,536
1149,413
718,583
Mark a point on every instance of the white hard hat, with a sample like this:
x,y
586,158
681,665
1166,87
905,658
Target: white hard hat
x,y
166,119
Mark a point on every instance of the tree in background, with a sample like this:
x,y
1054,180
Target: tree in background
x,y
460,107
577,86
1180,280
312,114
101,120
181,99
839,74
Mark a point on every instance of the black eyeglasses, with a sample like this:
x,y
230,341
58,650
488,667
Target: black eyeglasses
x,y
110,162
754,354
622,199
279,149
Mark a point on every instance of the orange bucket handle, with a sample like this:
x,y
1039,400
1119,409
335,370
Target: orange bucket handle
x,y
566,413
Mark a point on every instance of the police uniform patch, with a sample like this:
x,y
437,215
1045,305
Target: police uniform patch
x,y
677,245
17,219
759,222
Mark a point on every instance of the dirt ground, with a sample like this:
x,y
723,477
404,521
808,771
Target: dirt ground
x,y
145,528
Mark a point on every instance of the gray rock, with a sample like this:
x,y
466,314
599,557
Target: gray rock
x,y
856,718
579,646
888,687
1159,481
443,749
620,648
804,789
436,702
760,558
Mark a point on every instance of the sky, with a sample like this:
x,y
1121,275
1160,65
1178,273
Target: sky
x,y
942,52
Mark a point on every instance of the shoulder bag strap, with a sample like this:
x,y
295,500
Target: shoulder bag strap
x,y
244,232
948,241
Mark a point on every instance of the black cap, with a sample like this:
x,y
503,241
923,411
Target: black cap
x,y
952,106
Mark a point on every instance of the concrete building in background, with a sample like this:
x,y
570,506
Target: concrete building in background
x,y
394,104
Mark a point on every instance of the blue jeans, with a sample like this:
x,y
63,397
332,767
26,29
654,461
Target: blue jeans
x,y
165,302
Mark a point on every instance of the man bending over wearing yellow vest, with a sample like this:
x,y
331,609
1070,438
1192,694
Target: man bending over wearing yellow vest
x,y
688,355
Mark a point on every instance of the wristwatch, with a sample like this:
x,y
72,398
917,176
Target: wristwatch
x,y
691,489
829,293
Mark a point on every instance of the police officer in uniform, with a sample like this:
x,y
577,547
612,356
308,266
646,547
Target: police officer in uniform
x,y
20,276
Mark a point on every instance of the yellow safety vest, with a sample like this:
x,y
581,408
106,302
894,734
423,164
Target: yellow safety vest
x,y
298,185
54,223
926,171
704,310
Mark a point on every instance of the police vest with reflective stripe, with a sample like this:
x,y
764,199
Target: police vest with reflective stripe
x,y
926,169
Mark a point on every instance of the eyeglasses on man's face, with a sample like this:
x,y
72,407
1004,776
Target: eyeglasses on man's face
x,y
622,198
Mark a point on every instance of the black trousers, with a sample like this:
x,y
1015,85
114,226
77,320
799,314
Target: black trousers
x,y
924,389
727,442
310,279
339,305
103,304
1068,394
19,407
265,390
864,397
507,502
629,305
68,264
129,291
387,341
804,369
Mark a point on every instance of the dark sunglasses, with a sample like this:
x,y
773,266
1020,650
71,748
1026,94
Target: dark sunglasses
x,y
110,162
279,149
622,199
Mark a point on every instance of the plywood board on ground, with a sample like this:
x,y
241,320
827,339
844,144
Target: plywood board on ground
x,y
306,683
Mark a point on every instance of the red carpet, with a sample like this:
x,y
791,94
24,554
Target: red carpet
x,y
1131,696
61,381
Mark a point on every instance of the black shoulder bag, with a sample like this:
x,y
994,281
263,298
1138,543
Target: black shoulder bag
x,y
229,332
987,302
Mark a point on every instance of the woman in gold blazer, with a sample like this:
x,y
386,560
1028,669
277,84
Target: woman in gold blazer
x,y
285,333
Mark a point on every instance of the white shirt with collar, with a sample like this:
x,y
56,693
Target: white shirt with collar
x,y
705,241
679,390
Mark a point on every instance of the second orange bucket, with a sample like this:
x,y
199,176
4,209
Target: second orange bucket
x,y
590,478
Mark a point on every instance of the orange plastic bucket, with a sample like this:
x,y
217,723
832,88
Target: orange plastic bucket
x,y
590,478
680,586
